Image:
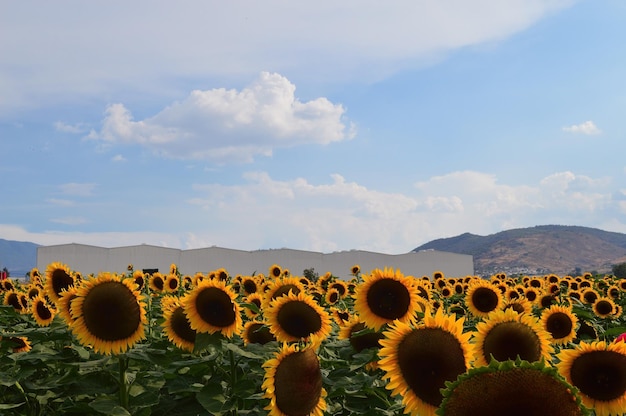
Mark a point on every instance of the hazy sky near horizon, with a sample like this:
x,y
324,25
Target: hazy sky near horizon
x,y
319,126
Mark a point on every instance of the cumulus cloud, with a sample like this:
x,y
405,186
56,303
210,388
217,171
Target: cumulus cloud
x,y
588,128
118,158
226,124
340,214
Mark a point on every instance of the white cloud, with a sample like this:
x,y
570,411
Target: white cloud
x,y
323,40
588,128
70,128
263,212
77,189
60,202
70,220
118,158
221,124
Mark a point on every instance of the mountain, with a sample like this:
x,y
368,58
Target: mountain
x,y
18,257
559,249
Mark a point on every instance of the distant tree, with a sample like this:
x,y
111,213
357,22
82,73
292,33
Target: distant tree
x,y
619,270
310,274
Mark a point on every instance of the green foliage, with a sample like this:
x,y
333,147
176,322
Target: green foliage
x,y
619,270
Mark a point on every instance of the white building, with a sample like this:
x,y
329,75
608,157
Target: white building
x,y
91,259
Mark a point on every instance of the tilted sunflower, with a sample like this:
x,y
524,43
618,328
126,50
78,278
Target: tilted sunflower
x,y
281,286
355,270
385,296
560,322
332,296
18,344
506,335
419,361
41,311
340,286
256,332
249,284
12,298
156,283
58,278
511,388
139,278
177,327
483,297
598,370
296,317
254,299
340,316
359,335
64,305
211,307
109,314
293,382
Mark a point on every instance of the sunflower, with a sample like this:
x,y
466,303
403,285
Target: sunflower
x,y
34,291
293,382
483,297
12,298
385,296
598,370
359,335
340,286
42,312
171,283
211,307
280,287
419,361
64,305
157,282
340,316
58,278
221,274
355,270
589,296
256,332
332,296
139,278
604,307
255,299
294,317
511,388
109,314
506,335
520,305
560,323
7,285
275,271
249,285
18,344
177,327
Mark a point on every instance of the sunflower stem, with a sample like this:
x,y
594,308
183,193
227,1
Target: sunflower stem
x,y
123,362
233,375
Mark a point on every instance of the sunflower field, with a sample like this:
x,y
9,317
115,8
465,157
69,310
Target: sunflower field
x,y
381,343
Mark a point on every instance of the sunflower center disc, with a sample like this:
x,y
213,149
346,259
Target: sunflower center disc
x,y
111,311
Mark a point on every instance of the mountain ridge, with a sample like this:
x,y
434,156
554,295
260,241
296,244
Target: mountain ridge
x,y
560,249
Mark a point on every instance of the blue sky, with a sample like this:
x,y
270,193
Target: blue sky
x,y
320,126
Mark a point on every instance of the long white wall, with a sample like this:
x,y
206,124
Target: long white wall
x,y
91,259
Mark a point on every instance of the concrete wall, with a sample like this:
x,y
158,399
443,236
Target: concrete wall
x,y
91,259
